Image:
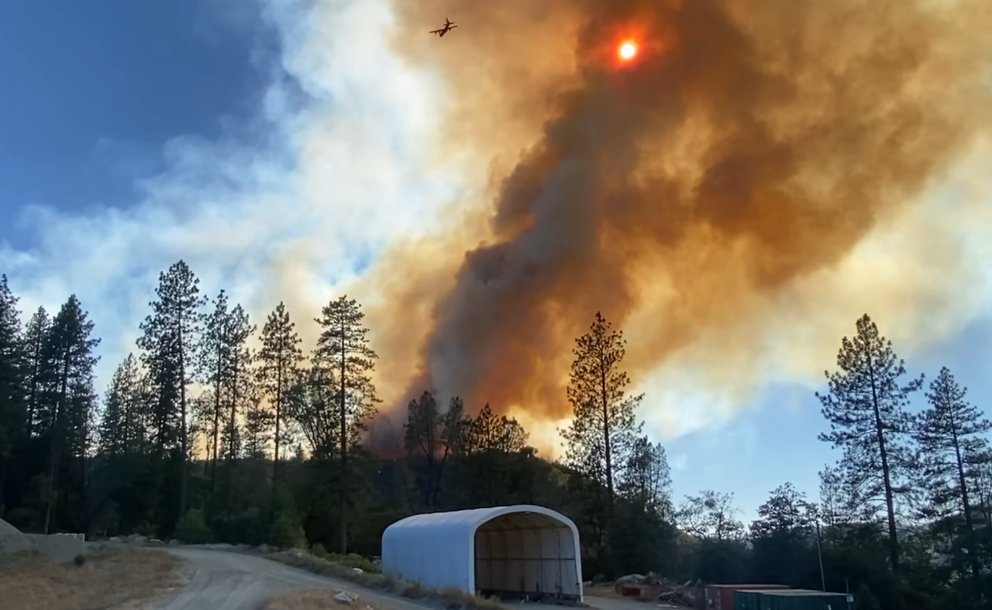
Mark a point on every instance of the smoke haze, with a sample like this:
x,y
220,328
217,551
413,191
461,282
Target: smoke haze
x,y
745,150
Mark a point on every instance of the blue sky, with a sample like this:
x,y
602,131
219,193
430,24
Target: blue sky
x,y
255,140
93,91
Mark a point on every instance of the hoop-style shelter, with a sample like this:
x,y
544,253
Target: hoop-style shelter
x,y
510,551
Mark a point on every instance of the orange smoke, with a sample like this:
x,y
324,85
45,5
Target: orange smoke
x,y
744,149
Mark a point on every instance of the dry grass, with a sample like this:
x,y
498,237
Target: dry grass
x,y
310,600
107,578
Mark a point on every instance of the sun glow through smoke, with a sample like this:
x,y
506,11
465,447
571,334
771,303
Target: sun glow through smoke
x,y
627,50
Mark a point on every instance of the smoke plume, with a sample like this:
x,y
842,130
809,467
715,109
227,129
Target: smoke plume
x,y
747,146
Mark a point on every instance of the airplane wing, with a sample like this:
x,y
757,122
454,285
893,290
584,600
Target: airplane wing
x,y
434,32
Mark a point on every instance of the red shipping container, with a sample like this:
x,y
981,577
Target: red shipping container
x,y
721,597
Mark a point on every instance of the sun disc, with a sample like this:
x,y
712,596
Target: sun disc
x,y
627,50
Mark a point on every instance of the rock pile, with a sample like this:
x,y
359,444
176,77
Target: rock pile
x,y
650,585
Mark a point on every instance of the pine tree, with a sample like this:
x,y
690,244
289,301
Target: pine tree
x,y
213,355
344,345
169,336
122,427
865,406
69,350
279,361
258,430
12,368
647,478
490,432
240,388
35,336
436,435
952,442
604,429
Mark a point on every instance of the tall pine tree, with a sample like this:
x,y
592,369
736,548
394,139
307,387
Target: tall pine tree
x,y
279,360
122,427
865,406
36,373
240,389
169,336
952,441
214,353
12,368
68,411
604,429
344,347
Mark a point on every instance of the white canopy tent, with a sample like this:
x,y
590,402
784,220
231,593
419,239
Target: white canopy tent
x,y
510,551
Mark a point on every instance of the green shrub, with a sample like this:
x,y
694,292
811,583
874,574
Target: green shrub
x,y
319,550
286,532
79,560
192,528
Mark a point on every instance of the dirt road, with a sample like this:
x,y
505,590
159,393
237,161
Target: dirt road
x,y
221,580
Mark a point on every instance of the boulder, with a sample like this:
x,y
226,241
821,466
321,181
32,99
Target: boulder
x,y
628,582
344,597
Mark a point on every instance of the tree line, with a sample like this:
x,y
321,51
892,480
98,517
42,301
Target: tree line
x,y
214,429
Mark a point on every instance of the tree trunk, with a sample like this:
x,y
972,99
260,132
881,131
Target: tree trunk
x,y
231,428
344,450
440,473
33,400
216,430
53,448
968,523
183,440
275,451
608,450
889,504
4,461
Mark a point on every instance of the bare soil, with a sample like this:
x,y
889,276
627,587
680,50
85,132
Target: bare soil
x,y
113,577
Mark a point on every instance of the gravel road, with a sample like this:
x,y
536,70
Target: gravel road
x,y
220,580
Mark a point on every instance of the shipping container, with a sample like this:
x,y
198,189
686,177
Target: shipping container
x,y
791,599
721,597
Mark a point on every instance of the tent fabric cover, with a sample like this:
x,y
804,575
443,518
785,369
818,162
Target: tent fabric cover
x,y
516,544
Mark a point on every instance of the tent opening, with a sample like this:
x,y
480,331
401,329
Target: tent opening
x,y
527,555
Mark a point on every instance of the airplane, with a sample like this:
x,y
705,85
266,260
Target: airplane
x,y
448,26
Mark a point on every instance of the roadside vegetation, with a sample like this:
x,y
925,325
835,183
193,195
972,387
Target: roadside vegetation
x,y
361,571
